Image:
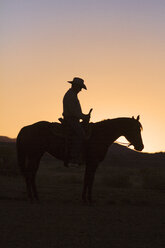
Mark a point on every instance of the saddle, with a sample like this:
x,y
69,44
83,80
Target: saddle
x,y
64,131
58,129
61,130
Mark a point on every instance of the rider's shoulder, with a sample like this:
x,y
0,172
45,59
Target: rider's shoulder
x,y
69,94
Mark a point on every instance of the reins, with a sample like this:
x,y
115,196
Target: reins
x,y
124,143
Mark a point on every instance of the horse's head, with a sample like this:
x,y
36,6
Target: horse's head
x,y
133,134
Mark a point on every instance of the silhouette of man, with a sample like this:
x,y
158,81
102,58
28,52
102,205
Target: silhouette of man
x,y
72,113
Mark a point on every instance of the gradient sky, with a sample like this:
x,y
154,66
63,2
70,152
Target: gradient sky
x,y
116,46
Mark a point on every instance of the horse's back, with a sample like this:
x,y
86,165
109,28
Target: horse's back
x,y
38,132
34,135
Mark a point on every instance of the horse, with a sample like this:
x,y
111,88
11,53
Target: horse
x,y
36,139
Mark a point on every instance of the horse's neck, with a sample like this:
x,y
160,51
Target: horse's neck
x,y
109,130
115,129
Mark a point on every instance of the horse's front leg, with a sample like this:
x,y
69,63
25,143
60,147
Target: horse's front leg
x,y
84,193
88,182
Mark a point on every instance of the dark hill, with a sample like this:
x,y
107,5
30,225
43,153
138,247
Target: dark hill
x,y
117,155
6,139
123,156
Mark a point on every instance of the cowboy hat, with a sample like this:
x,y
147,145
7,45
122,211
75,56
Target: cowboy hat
x,y
79,82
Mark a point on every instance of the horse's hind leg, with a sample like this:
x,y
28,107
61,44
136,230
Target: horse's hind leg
x,y
88,182
30,176
28,187
33,182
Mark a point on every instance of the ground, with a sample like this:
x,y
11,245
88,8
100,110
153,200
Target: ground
x,y
120,217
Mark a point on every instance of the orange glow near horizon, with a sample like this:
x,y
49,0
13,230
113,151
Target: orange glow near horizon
x,y
117,49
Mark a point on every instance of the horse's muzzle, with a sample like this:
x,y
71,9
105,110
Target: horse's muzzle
x,y
139,147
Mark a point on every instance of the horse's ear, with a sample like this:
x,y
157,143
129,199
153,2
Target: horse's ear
x,y
133,117
138,117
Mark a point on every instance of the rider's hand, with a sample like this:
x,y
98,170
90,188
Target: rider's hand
x,y
86,118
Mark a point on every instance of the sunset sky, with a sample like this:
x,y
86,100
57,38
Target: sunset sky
x,y
116,46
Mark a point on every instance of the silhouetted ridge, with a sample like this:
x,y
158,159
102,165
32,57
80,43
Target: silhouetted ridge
x,y
122,156
7,139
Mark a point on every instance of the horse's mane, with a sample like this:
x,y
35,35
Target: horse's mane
x,y
103,125
108,122
101,122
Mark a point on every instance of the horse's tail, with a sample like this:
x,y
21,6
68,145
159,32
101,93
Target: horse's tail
x,y
21,154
